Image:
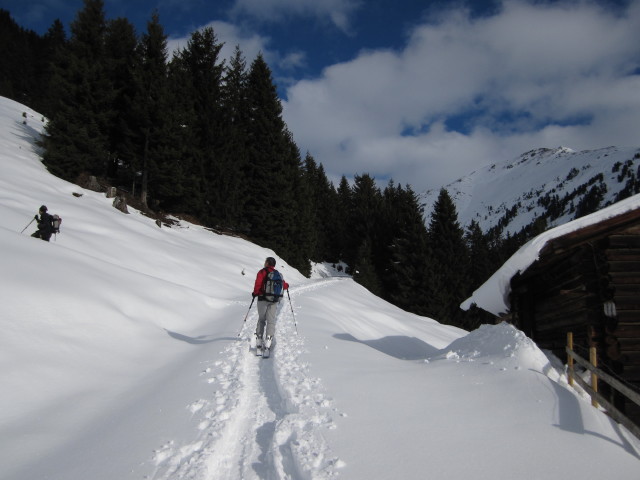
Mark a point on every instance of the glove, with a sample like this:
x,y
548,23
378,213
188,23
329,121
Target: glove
x,y
253,295
35,217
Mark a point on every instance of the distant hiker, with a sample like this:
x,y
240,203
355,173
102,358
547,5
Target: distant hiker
x,y
268,288
45,224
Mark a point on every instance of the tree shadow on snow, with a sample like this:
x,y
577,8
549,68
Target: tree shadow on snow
x,y
199,340
397,346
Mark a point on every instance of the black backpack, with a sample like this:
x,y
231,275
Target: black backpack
x,y
273,286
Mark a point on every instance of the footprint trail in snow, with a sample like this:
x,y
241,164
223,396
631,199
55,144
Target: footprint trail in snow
x,y
265,417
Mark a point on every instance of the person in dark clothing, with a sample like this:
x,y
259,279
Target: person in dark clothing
x,y
266,309
45,225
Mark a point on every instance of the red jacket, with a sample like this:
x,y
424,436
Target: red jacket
x,y
258,288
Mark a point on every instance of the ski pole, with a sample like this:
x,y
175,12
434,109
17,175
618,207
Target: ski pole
x,y
245,317
28,224
295,324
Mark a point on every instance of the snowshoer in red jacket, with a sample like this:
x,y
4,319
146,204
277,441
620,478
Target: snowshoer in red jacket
x,y
267,303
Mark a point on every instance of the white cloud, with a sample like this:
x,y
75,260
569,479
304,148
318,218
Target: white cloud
x,y
251,44
336,11
531,75
231,35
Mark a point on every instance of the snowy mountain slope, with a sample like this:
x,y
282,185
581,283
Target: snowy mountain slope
x,y
545,180
124,355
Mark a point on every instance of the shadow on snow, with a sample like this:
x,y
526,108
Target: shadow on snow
x,y
397,346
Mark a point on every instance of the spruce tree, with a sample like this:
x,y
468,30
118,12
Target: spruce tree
x,y
230,187
55,41
406,278
269,161
159,128
299,237
342,226
479,267
76,139
200,70
122,62
363,235
447,282
23,63
324,207
364,271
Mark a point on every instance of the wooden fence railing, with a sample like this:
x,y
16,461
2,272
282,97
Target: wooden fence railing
x,y
600,375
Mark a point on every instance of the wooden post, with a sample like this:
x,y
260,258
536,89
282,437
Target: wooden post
x,y
593,359
570,358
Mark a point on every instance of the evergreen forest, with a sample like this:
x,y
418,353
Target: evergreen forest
x,y
203,137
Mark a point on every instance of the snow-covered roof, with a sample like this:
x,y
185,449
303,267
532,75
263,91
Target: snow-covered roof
x,y
493,295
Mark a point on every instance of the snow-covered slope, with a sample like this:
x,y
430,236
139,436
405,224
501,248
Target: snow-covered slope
x,y
521,190
124,355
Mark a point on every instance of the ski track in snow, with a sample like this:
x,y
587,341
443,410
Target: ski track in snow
x,y
265,418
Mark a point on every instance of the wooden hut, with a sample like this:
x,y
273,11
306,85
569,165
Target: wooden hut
x,y
587,282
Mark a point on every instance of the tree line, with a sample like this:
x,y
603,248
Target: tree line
x,y
203,136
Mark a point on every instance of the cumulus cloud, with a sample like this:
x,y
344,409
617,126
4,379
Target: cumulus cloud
x,y
337,11
231,35
464,92
250,43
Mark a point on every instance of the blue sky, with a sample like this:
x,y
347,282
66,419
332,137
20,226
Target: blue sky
x,y
425,91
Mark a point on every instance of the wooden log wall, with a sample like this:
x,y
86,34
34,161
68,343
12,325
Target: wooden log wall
x,y
622,334
563,295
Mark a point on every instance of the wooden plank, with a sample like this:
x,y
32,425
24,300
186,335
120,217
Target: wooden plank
x,y
627,302
562,309
614,382
564,298
625,265
627,289
622,254
576,320
624,241
627,330
631,373
624,278
629,344
628,316
632,358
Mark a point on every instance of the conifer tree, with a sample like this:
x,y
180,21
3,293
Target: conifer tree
x,y
479,267
269,159
406,280
199,68
299,237
24,72
229,189
448,260
55,41
363,235
76,139
344,201
159,132
364,271
122,62
324,212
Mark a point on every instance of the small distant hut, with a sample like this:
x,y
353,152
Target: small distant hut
x,y
586,280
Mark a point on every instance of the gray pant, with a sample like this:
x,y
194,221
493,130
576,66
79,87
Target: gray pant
x,y
266,315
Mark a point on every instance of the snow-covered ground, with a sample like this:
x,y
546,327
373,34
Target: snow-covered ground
x,y
124,355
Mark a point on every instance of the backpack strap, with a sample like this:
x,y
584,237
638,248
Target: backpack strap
x,y
264,283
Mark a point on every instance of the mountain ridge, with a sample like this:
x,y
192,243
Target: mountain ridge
x,y
554,185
